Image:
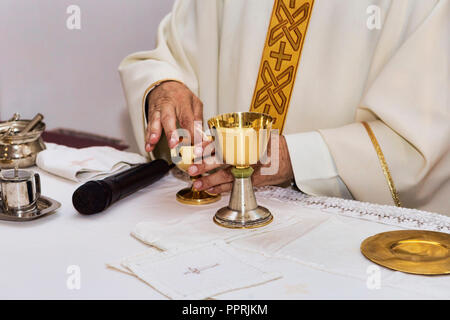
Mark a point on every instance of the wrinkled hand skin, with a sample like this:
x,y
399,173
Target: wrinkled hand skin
x,y
168,102
171,101
222,180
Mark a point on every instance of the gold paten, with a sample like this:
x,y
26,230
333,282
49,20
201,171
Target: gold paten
x,y
410,251
191,195
240,140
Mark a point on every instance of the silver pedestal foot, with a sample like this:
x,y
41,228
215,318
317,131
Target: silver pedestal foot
x,y
243,211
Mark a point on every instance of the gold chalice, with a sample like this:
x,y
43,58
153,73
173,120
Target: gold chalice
x,y
190,195
240,140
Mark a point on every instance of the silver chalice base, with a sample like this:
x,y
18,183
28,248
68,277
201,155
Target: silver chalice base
x,y
242,211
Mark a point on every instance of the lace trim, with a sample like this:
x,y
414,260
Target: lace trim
x,y
403,217
396,216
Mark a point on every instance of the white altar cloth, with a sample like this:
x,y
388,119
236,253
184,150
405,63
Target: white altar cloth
x,y
36,256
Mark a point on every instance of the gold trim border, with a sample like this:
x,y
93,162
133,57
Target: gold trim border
x,y
384,165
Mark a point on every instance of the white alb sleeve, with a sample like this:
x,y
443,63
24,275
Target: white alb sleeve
x,y
314,170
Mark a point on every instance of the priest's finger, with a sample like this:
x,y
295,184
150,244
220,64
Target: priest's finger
x,y
153,131
197,107
226,187
214,179
259,180
206,148
185,116
169,123
201,168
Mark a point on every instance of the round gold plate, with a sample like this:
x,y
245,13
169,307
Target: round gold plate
x,y
410,251
189,196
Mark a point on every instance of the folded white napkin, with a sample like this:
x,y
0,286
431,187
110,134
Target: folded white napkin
x,y
198,273
86,163
195,226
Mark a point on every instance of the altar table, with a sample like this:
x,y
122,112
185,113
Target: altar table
x,y
37,258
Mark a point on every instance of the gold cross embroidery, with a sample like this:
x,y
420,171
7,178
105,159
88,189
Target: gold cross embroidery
x,y
280,55
280,59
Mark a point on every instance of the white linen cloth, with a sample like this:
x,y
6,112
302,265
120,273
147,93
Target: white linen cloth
x,y
197,228
323,234
199,272
185,226
85,163
334,246
293,211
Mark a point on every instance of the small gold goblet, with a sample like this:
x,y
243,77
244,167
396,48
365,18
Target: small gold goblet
x,y
241,139
190,195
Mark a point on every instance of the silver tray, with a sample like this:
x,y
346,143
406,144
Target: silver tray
x,y
45,206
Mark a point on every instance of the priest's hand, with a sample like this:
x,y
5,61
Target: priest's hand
x,y
222,180
167,103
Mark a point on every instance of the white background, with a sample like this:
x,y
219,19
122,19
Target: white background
x,y
70,76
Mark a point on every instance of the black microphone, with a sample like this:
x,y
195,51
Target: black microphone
x,y
97,195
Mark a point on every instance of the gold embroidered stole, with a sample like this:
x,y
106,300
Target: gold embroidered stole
x,y
280,59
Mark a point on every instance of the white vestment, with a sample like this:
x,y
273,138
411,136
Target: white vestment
x,y
394,77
